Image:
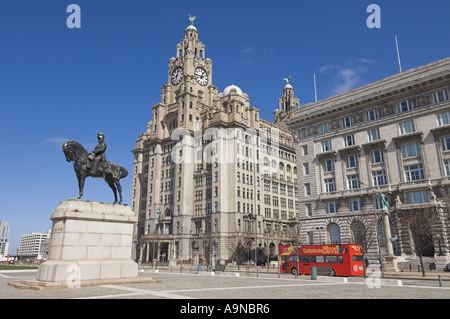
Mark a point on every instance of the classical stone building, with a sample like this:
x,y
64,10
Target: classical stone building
x,y
210,176
391,136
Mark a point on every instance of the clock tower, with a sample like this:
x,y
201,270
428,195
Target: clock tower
x,y
200,167
189,88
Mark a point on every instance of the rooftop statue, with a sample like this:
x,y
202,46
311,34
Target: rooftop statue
x,y
94,164
288,79
192,19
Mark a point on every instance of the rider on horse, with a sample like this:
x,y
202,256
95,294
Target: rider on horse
x,y
97,158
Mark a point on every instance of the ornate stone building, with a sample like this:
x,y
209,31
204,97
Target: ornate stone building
x,y
210,176
391,136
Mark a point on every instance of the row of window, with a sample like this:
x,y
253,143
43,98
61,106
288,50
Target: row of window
x,y
356,205
268,213
412,173
372,115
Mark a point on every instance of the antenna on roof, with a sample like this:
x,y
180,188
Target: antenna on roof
x,y
398,55
315,88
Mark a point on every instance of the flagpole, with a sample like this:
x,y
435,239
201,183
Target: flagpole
x,y
398,55
315,88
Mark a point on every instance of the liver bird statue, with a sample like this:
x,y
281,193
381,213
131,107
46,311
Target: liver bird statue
x,y
192,19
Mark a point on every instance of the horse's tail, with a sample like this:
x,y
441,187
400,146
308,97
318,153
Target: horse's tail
x,y
123,172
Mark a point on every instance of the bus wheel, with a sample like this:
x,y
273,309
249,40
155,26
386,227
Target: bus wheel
x,y
293,271
333,273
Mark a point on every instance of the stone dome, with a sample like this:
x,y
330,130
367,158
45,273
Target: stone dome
x,y
232,89
191,27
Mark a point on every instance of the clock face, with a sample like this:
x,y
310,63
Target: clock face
x,y
177,75
201,76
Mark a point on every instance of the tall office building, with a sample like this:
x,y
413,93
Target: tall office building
x,y
391,136
211,177
4,240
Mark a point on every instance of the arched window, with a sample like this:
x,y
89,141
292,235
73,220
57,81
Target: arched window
x,y
335,234
358,231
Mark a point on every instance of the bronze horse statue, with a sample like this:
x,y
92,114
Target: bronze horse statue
x,y
111,172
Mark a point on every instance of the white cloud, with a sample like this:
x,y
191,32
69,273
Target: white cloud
x,y
250,49
325,68
346,79
367,61
347,75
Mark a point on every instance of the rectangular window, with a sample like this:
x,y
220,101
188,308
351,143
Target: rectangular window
x,y
445,143
443,118
353,181
307,189
440,96
308,209
326,146
447,167
328,165
406,127
379,178
373,135
351,161
377,202
417,197
330,207
414,173
305,168
304,133
330,185
347,121
411,150
325,128
349,140
318,259
377,156
305,149
404,106
371,115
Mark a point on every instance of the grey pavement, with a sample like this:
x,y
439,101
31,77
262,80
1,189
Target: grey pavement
x,y
243,285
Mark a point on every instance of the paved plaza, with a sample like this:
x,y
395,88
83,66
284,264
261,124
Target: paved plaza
x,y
241,285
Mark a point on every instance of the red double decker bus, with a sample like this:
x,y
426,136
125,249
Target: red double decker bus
x,y
332,260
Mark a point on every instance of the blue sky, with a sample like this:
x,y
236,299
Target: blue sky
x,y
59,84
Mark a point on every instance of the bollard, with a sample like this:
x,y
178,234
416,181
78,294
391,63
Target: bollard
x,y
440,280
314,273
199,268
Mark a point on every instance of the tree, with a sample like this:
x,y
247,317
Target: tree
x,y
240,245
365,234
420,222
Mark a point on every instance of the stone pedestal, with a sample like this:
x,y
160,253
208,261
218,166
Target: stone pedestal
x,y
91,244
390,264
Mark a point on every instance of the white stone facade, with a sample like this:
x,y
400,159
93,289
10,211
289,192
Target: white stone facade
x,y
209,172
389,137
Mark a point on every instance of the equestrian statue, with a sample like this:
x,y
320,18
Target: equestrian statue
x,y
94,164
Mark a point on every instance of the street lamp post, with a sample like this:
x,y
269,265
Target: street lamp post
x,y
181,251
278,245
256,248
